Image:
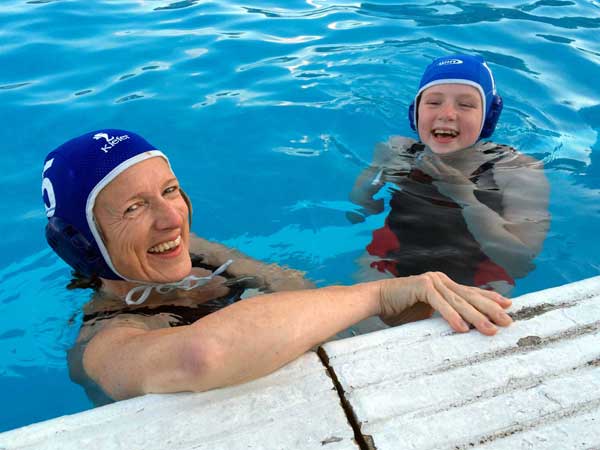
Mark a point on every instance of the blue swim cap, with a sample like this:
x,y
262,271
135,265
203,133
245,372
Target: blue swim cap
x,y
462,69
73,176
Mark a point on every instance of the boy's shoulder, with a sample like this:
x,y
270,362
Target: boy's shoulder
x,y
397,151
401,143
505,155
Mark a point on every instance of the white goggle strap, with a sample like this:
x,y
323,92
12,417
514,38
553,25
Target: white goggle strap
x,y
188,283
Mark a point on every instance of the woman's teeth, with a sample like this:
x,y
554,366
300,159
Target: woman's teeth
x,y
163,247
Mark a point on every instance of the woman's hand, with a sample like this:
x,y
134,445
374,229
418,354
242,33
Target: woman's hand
x,y
459,305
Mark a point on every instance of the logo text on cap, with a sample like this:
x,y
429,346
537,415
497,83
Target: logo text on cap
x,y
450,61
110,140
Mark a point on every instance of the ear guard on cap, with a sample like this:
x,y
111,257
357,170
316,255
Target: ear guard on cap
x,y
76,250
411,116
491,118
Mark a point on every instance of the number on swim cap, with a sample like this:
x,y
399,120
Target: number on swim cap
x,y
48,190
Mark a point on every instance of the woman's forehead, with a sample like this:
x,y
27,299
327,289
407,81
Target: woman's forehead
x,y
143,176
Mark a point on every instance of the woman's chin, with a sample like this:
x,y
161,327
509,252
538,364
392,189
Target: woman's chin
x,y
172,274
161,273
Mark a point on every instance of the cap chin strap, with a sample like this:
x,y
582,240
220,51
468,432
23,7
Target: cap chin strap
x,y
187,284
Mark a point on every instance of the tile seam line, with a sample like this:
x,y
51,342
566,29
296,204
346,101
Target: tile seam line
x,y
363,442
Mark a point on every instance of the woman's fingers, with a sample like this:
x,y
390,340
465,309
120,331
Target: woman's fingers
x,y
463,305
472,305
491,306
440,304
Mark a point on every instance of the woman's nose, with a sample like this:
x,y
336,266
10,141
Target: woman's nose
x,y
167,216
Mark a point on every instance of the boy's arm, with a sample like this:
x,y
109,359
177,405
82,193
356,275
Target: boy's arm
x,y
271,277
367,184
514,238
386,155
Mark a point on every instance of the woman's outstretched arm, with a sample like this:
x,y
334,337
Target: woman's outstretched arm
x,y
256,336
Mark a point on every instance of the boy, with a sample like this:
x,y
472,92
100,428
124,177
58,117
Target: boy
x,y
475,210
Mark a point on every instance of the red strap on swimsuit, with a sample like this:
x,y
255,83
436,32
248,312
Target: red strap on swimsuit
x,y
384,242
488,271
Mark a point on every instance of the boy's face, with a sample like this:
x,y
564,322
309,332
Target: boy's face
x,y
449,117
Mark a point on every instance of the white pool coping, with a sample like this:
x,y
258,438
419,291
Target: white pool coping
x,y
534,385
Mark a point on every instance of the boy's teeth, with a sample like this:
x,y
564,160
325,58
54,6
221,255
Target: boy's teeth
x,y
446,132
163,247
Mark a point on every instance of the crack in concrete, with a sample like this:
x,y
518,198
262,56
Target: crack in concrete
x,y
365,442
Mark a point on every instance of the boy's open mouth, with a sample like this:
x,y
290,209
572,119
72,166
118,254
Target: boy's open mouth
x,y
440,133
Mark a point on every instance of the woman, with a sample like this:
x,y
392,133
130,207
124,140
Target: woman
x,y
118,216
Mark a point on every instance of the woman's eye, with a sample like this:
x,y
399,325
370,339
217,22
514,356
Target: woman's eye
x,y
133,208
171,189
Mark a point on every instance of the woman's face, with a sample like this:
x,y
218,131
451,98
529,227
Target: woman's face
x,y
144,221
449,117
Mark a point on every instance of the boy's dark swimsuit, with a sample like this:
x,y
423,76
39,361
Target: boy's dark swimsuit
x,y
408,244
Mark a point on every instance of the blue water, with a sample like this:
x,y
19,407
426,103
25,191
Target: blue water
x,y
268,111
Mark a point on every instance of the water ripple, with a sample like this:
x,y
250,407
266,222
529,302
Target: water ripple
x,y
471,14
14,86
178,5
311,14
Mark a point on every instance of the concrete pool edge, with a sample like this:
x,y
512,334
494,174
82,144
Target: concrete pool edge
x,y
315,402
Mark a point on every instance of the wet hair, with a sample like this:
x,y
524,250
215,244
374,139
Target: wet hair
x,y
80,281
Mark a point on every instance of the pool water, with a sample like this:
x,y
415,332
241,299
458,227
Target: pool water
x,y
268,111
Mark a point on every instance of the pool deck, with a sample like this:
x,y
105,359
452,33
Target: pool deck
x,y
534,385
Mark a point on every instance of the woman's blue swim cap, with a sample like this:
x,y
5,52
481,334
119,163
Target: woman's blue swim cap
x,y
73,176
462,69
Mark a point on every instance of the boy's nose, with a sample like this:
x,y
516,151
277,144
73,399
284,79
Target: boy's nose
x,y
448,111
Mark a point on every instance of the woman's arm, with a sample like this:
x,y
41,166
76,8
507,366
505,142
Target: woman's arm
x,y
272,277
254,337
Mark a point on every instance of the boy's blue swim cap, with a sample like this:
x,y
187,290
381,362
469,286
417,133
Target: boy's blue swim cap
x,y
462,69
73,176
